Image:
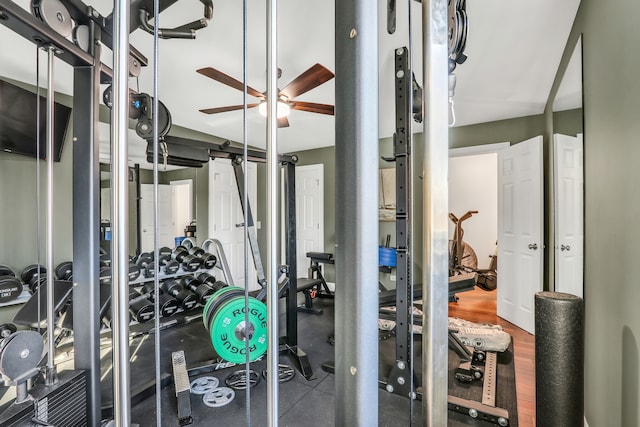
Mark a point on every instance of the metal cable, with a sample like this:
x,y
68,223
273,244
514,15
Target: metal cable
x,y
38,181
245,208
156,251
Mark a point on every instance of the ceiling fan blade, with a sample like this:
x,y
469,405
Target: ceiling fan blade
x,y
313,77
223,78
228,108
283,122
312,107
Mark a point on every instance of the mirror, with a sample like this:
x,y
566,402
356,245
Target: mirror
x,y
568,182
177,206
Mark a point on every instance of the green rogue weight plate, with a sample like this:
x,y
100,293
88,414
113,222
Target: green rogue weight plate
x,y
228,329
212,303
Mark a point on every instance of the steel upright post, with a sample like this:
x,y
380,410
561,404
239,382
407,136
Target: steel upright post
x,y
120,215
272,215
435,205
86,221
356,302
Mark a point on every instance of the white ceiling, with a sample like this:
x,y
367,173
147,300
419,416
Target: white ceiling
x,y
514,48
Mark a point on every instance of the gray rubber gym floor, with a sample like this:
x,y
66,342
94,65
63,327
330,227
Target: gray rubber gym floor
x,y
302,402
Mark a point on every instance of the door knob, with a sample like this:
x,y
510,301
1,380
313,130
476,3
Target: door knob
x,y
565,247
533,246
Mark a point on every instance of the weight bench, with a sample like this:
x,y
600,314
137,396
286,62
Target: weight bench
x,y
459,283
315,285
28,315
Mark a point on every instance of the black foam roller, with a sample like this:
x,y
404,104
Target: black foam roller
x,y
559,322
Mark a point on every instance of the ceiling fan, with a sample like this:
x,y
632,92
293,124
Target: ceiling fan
x,y
310,79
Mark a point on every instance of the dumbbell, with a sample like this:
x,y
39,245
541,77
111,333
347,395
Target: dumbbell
x,y
134,272
166,303
30,271
146,264
188,262
185,298
202,290
168,265
10,288
140,307
208,260
36,281
64,271
206,278
5,270
105,275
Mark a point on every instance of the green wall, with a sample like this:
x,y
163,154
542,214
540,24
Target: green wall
x,y
611,97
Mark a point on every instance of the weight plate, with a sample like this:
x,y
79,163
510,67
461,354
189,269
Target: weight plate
x,y
238,379
219,397
134,272
219,284
228,329
164,251
20,353
212,303
285,373
81,37
5,270
204,385
171,267
54,14
209,261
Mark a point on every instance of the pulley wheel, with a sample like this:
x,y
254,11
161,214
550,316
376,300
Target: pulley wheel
x,y
81,37
229,331
54,14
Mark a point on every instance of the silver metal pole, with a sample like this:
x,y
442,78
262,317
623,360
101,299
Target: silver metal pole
x,y
435,205
51,376
272,214
120,215
356,370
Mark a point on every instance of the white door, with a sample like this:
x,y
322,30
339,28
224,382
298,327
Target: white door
x,y
165,217
309,214
520,227
226,219
568,215
182,196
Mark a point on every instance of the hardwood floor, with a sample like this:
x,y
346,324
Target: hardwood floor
x,y
480,306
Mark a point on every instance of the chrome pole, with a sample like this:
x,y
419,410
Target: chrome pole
x,y
272,215
120,215
50,374
435,205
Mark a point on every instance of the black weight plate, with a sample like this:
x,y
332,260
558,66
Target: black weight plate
x,y
5,270
191,263
219,284
238,379
10,288
164,251
143,259
64,270
171,267
285,373
206,278
21,353
29,271
134,272
220,299
196,251
150,270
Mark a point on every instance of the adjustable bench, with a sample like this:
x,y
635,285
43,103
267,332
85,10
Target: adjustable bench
x,y
315,285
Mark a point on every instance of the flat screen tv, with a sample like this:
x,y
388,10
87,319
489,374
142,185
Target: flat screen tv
x,y
18,125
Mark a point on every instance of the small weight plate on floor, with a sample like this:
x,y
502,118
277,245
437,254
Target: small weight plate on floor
x,y
204,385
285,373
219,397
238,379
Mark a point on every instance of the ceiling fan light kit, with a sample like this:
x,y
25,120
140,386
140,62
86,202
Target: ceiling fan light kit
x,y
313,77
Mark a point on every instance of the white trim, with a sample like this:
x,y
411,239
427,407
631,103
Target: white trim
x,y
478,149
192,215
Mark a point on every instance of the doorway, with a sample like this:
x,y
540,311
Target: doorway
x,y
182,201
309,214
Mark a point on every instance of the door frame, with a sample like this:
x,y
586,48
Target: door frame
x,y
178,182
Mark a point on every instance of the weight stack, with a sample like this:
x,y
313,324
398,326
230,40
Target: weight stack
x,y
559,323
